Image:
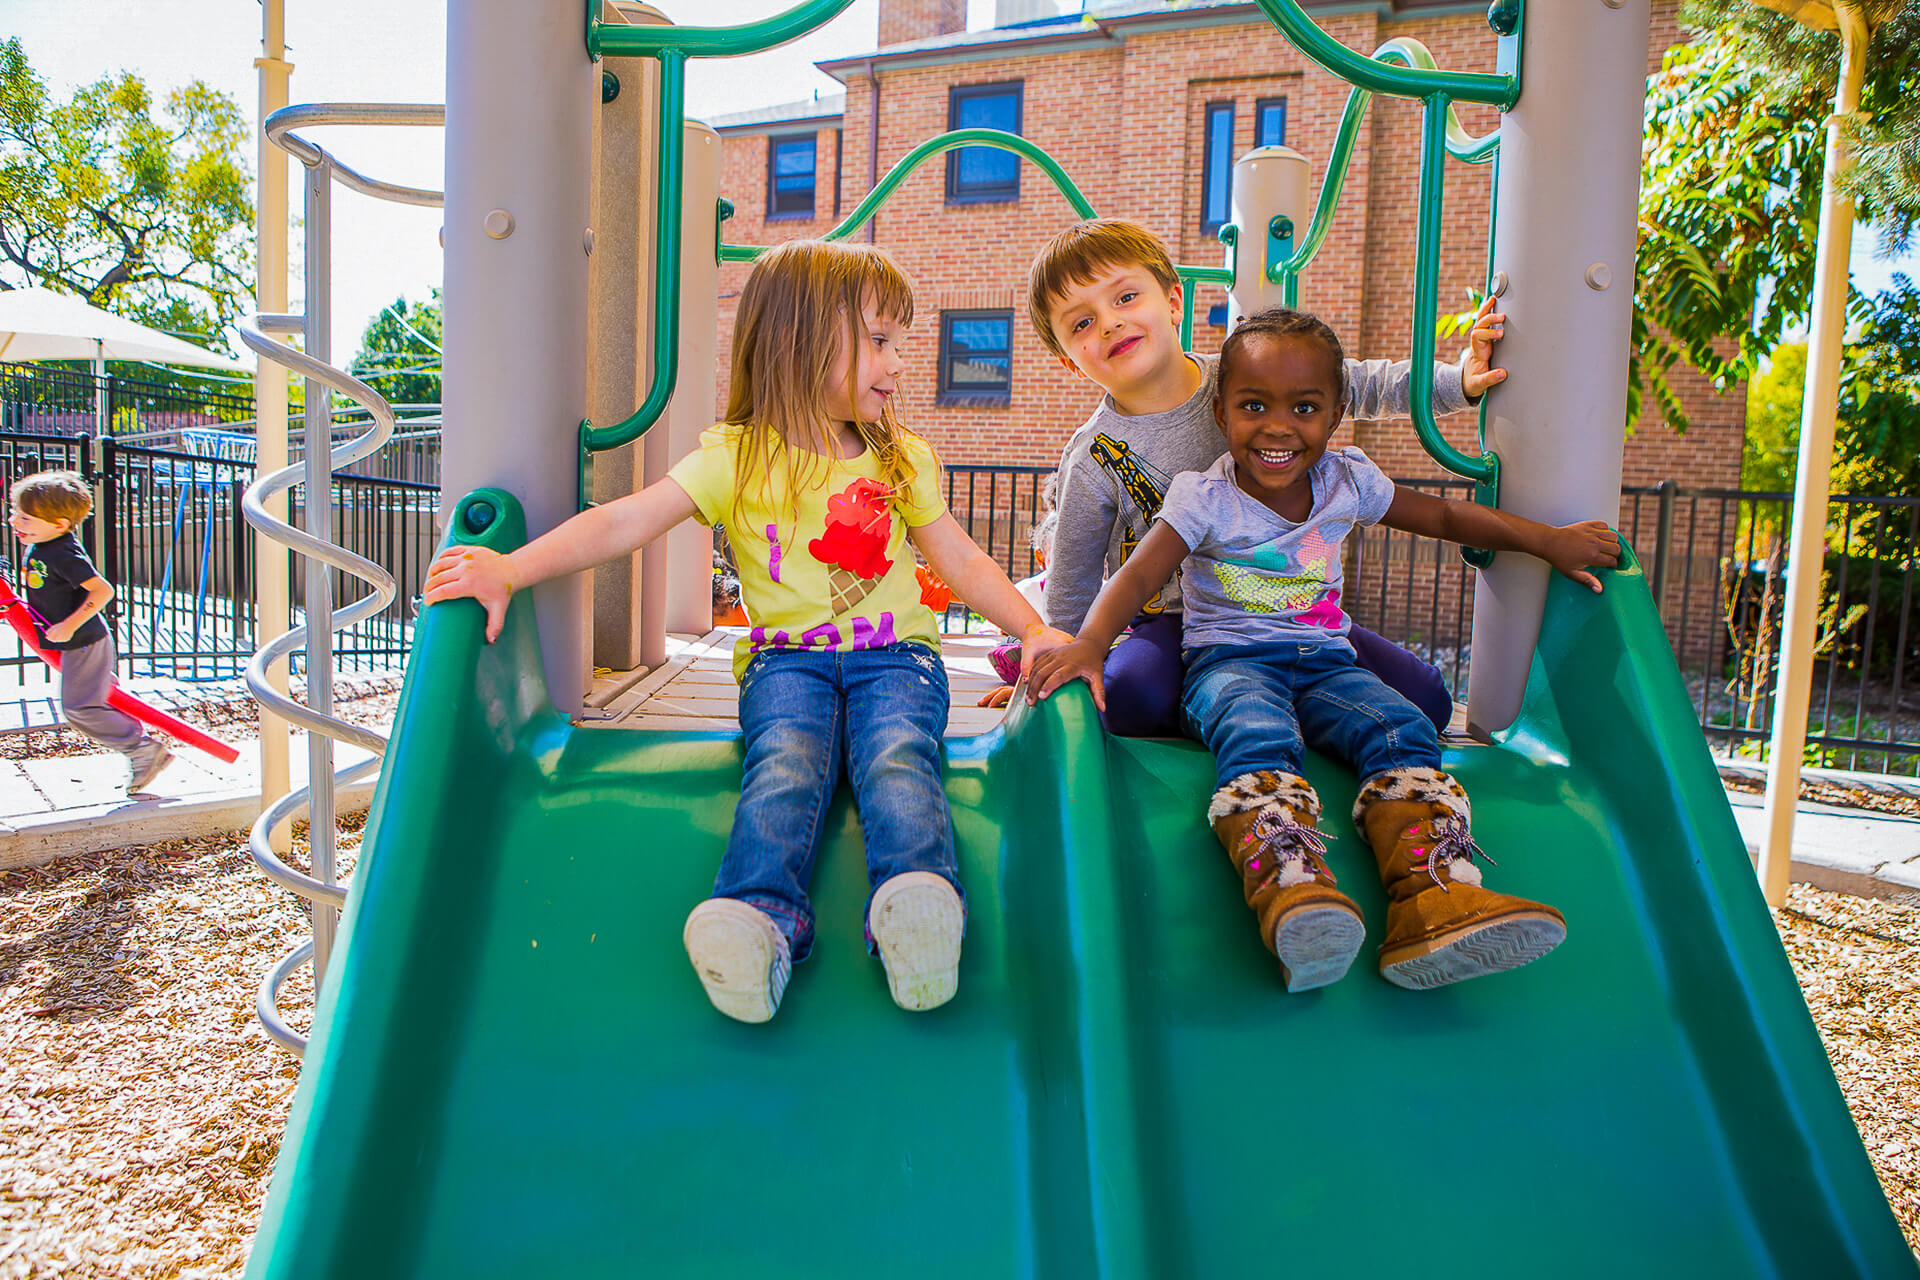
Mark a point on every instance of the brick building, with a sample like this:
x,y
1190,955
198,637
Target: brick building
x,y
1145,106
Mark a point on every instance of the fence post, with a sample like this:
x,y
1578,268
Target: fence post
x,y
1663,540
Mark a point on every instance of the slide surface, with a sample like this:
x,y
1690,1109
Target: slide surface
x,y
515,1073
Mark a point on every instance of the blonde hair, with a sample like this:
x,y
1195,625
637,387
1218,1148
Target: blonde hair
x,y
53,495
800,297
1078,255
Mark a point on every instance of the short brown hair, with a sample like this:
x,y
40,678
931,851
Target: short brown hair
x,y
53,495
1079,254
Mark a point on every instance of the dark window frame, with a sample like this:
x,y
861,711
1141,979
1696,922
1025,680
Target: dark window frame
x,y
945,392
1209,225
1006,193
774,213
1260,109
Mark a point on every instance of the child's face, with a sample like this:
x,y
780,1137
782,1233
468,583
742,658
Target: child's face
x,y
875,368
1121,329
33,529
1278,404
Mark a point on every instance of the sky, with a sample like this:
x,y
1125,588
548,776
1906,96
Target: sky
x,y
394,51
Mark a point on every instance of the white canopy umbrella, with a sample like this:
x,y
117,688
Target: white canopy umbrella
x,y
39,324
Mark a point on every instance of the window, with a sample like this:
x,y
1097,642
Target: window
x,y
976,357
1270,122
980,174
790,177
1217,182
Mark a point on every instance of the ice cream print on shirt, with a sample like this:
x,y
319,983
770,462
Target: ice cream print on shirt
x,y
1266,579
854,546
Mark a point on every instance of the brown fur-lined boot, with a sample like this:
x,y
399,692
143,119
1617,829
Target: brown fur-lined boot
x,y
1442,925
1265,822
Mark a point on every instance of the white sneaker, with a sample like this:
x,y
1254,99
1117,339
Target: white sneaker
x,y
917,921
147,759
741,956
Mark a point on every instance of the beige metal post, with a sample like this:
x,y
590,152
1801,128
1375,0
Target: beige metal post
x,y
270,591
1806,547
685,555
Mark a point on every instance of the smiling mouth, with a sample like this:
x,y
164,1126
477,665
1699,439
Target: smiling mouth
x,y
1275,457
1123,346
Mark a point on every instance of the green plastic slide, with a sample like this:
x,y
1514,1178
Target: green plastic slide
x,y
514,1071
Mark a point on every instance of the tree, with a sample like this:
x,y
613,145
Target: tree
x,y
1770,455
1730,184
400,352
148,218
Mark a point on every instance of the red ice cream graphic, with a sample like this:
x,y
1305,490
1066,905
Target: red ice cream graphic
x,y
854,545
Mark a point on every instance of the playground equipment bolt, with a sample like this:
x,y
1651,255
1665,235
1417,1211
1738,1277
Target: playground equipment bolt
x,y
498,224
1599,276
586,241
479,516
609,86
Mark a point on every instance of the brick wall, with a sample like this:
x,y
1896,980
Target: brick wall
x,y
904,20
1125,118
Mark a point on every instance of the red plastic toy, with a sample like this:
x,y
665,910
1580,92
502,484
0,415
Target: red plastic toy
x,y
14,609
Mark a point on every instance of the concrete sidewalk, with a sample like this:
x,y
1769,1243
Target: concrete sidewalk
x,y
1857,851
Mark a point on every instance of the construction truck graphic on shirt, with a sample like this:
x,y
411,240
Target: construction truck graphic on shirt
x,y
1143,483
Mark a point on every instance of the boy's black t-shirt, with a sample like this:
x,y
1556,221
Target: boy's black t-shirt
x,y
53,572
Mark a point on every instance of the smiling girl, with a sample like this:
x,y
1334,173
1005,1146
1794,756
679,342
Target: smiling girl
x,y
820,489
1270,673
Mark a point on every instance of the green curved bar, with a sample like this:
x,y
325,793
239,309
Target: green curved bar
x,y
1426,290
1499,89
1460,144
713,42
666,276
945,142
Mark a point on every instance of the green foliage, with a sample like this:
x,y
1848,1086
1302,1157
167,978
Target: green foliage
x,y
1730,186
400,352
1768,461
1877,445
150,218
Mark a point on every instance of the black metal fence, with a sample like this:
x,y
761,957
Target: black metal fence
x,y
46,400
167,531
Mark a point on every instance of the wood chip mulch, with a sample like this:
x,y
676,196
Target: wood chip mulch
x,y
141,1106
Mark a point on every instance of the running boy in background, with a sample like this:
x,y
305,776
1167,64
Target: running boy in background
x,y
1104,297
1269,672
65,595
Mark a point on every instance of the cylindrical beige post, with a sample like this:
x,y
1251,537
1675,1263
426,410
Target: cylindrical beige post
x,y
619,349
271,606
1806,544
686,554
1268,183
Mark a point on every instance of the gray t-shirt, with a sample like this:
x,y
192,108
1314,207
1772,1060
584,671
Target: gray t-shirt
x,y
1116,468
1253,577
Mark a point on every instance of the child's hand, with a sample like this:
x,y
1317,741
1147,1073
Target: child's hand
x,y
476,573
996,697
1476,368
1038,640
1574,547
1081,660
61,632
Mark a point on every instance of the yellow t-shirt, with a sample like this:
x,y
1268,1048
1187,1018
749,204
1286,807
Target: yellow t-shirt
x,y
831,570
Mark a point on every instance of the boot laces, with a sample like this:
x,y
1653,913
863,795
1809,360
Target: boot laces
x,y
1288,841
1451,842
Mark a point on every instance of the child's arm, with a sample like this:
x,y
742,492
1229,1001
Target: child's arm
x,y
1120,600
979,580
99,592
1384,388
1568,548
602,533
1088,507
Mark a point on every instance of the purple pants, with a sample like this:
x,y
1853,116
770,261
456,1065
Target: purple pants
x,y
1144,674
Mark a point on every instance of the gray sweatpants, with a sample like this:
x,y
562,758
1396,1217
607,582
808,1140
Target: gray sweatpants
x,y
86,678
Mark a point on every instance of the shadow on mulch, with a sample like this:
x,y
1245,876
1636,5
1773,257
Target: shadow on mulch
x,y
83,951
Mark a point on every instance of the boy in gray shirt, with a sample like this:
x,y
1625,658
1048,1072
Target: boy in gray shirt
x,y
1104,297
1270,673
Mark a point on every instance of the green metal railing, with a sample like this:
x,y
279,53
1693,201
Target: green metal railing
x,y
939,145
1402,68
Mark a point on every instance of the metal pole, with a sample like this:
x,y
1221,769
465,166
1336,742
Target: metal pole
x,y
317,506
272,603
1806,544
1567,199
521,92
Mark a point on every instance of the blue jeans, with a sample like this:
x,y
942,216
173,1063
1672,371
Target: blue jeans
x,y
877,714
1261,706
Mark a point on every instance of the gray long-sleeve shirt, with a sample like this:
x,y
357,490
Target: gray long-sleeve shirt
x,y
1116,468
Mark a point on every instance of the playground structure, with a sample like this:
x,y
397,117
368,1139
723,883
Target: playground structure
x,y
512,1073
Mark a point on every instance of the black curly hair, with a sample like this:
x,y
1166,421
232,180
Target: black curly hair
x,y
1285,322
